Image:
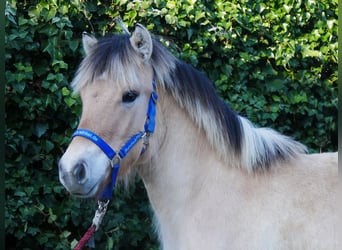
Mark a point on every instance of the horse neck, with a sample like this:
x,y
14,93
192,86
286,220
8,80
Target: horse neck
x,y
179,147
183,166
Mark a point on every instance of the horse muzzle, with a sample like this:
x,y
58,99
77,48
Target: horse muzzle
x,y
84,172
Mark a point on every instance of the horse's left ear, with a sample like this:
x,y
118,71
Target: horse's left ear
x,y
141,41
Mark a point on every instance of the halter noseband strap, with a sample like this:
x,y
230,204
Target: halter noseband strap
x,y
97,140
114,157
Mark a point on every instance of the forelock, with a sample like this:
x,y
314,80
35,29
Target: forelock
x,y
112,58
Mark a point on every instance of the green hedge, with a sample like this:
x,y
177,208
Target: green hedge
x,y
275,63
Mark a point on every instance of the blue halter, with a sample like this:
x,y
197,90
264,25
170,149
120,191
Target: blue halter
x,y
114,157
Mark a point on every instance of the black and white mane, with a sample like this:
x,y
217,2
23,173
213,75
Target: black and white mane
x,y
232,136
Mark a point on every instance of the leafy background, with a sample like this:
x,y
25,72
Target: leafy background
x,y
273,62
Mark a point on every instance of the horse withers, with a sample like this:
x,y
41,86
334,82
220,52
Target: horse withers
x,y
213,179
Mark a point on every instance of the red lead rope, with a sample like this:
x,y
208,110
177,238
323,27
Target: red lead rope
x,y
85,238
100,212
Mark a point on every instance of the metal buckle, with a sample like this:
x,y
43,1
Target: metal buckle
x,y
116,160
99,214
146,138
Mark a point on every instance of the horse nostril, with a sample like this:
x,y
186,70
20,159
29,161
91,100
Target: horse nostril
x,y
80,172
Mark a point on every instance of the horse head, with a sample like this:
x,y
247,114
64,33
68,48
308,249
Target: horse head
x,y
114,83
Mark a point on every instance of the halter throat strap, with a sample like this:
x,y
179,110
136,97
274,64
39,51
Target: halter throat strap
x,y
116,157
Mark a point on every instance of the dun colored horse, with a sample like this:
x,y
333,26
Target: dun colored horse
x,y
214,180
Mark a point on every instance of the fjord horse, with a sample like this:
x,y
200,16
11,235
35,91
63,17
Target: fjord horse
x,y
213,179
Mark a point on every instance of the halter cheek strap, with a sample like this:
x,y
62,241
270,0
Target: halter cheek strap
x,y
114,157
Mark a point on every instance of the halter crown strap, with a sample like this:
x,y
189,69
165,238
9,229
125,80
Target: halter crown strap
x,y
110,153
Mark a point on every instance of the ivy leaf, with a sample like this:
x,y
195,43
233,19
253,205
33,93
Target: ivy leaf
x,y
40,129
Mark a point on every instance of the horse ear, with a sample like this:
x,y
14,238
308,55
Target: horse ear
x,y
141,41
88,42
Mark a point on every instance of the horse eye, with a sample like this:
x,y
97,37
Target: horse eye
x,y
129,96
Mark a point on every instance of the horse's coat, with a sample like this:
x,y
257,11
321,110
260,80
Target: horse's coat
x,y
213,179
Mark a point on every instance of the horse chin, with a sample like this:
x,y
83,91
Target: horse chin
x,y
88,193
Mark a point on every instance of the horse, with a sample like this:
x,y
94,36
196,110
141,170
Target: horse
x,y
214,180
